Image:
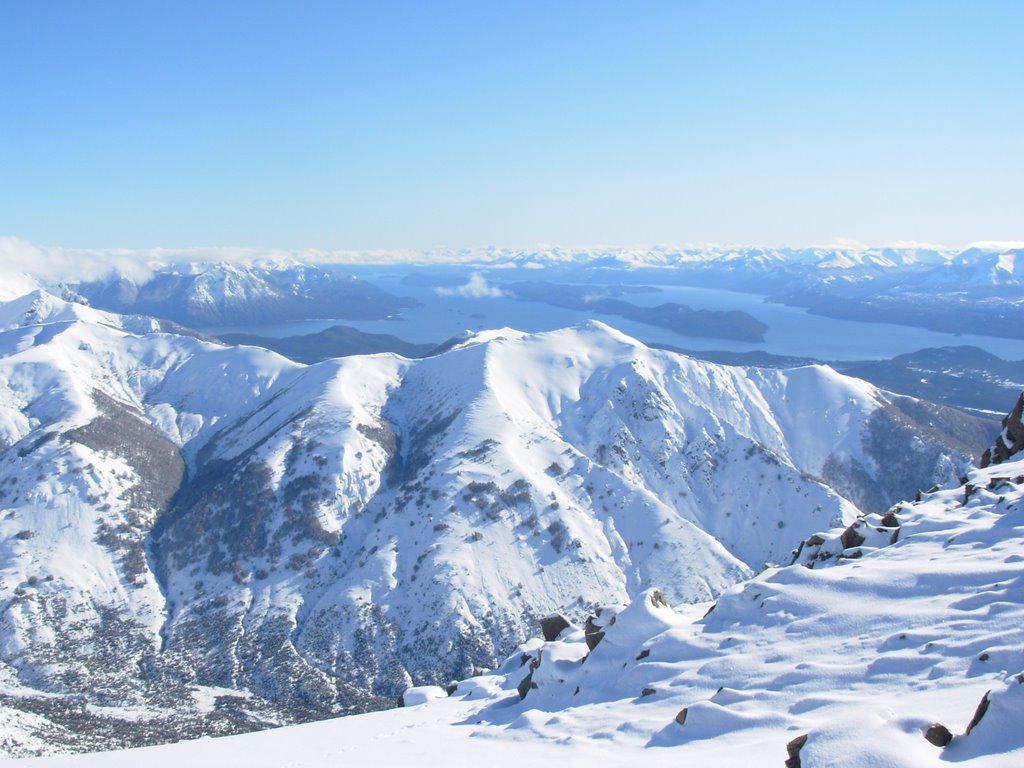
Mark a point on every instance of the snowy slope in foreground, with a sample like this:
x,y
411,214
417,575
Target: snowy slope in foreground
x,y
862,654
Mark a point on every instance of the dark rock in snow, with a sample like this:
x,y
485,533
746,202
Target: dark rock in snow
x,y
525,685
938,734
1011,440
969,491
793,750
979,712
851,538
890,520
593,633
552,626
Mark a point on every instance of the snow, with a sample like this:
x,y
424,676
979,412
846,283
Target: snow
x,y
862,656
39,307
1007,262
422,694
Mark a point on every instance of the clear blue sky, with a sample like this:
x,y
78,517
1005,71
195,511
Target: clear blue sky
x,y
445,124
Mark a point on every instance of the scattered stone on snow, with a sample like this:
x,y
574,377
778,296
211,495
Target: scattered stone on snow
x,y
938,734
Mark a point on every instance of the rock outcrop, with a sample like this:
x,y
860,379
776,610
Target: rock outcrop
x,y
1011,440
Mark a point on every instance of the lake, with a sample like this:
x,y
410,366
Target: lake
x,y
791,330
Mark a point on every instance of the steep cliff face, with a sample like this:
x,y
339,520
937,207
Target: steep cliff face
x,y
218,538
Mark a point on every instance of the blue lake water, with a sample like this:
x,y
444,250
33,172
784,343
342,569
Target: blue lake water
x,y
791,331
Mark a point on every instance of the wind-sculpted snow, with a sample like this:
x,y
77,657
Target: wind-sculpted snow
x,y
219,539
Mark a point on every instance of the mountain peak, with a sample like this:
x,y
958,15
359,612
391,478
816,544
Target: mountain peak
x,y
39,307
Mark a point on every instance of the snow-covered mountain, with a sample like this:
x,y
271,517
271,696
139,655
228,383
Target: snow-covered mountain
x,y
903,648
202,295
199,538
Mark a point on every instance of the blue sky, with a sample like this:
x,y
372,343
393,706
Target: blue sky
x,y
447,124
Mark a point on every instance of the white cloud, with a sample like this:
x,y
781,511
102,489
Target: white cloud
x,y
55,264
843,244
476,288
996,245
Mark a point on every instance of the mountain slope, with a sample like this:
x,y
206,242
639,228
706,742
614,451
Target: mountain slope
x,y
296,541
874,657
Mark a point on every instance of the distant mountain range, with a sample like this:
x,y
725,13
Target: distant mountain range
x,y
978,290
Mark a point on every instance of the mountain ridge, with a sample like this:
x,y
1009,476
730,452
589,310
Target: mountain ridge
x,y
319,537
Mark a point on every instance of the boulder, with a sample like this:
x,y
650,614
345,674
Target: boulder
x,y
850,537
938,734
553,625
593,630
